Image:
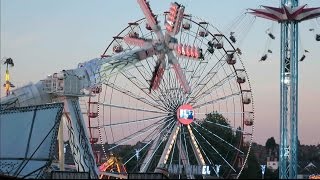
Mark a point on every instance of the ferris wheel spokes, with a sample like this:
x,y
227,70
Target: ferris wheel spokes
x,y
176,73
153,149
202,93
218,137
199,81
140,133
213,148
134,96
130,122
154,138
195,106
235,130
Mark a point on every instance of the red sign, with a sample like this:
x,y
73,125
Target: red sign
x,y
185,114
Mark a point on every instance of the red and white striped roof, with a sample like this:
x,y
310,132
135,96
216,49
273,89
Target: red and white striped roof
x,y
286,13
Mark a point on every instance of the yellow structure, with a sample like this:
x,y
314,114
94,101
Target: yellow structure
x,y
314,177
113,164
8,84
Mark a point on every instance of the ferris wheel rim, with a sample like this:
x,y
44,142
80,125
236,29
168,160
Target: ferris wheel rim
x,y
194,22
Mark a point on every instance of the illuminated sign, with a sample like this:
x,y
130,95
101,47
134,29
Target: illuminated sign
x,y
314,176
192,169
185,114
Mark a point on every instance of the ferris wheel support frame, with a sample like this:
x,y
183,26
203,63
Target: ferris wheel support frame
x,y
289,16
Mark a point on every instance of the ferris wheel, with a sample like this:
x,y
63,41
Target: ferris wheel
x,y
188,104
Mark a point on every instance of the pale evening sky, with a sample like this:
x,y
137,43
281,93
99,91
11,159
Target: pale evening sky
x,y
43,37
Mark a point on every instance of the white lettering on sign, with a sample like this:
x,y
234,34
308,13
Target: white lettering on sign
x,y
217,169
191,169
205,170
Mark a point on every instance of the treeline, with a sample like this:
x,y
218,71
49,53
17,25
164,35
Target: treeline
x,y
270,150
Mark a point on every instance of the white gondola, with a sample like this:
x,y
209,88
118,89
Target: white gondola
x,y
241,79
203,32
117,48
96,89
93,114
248,118
93,140
186,26
246,95
133,34
231,59
93,109
219,45
218,42
241,76
134,30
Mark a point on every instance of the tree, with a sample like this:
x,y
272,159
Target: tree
x,y
269,174
271,144
253,170
216,123
9,61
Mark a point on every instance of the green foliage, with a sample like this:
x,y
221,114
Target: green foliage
x,y
216,124
271,144
253,170
271,174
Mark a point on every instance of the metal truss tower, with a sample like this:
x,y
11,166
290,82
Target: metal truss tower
x,y
289,15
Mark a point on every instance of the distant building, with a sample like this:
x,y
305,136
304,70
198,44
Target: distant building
x,y
272,164
272,160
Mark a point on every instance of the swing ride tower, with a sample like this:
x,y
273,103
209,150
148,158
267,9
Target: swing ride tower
x,y
289,15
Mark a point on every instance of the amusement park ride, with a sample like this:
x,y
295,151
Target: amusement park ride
x,y
289,16
182,91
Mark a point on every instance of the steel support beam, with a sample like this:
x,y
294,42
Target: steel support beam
x,y
288,97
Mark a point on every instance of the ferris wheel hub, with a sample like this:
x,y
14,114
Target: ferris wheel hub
x,y
185,114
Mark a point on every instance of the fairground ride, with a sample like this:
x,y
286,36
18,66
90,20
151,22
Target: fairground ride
x,y
180,91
